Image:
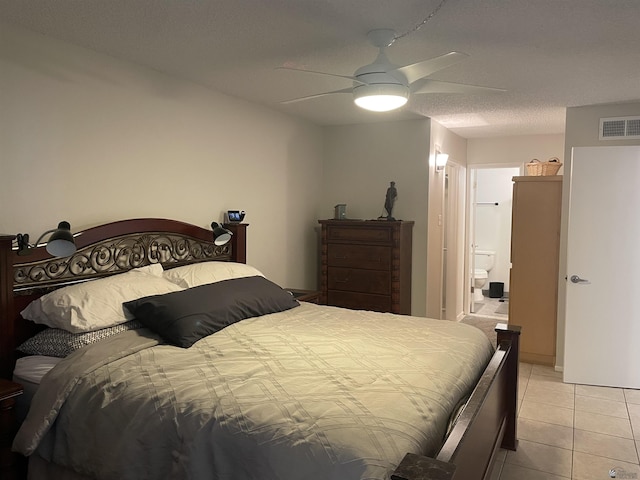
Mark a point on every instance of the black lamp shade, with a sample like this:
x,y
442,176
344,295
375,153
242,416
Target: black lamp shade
x,y
221,235
61,242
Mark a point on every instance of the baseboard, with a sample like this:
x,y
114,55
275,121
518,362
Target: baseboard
x,y
536,358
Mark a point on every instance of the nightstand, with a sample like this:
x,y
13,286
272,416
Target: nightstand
x,y
311,296
8,393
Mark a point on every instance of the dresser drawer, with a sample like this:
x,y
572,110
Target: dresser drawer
x,y
359,256
357,280
382,235
366,264
359,301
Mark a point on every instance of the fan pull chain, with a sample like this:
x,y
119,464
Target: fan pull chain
x,y
421,24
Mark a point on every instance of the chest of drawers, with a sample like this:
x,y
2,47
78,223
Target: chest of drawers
x,y
366,265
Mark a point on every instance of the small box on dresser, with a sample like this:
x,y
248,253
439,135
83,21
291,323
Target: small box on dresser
x,y
366,264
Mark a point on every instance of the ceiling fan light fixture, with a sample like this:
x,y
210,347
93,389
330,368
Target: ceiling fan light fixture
x,y
382,97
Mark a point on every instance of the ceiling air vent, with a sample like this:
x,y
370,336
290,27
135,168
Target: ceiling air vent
x,y
620,128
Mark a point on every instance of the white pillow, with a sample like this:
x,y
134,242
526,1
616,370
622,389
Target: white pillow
x,y
197,274
97,304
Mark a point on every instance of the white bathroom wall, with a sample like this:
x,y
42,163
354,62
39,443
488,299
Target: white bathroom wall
x,y
493,222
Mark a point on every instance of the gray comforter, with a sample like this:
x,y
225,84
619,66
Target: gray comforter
x,y
310,393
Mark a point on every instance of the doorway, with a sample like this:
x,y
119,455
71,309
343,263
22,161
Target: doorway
x,y
489,239
453,252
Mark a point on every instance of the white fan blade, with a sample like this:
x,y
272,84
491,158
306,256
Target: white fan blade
x,y
436,86
423,69
354,79
344,90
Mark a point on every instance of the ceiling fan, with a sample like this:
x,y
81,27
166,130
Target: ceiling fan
x,y
382,86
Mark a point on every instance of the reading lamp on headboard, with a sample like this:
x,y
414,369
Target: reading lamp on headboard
x,y
221,235
60,244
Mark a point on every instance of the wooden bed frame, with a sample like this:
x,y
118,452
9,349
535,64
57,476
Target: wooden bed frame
x,y
487,423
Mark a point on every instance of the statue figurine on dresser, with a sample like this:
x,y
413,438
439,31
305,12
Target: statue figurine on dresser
x,y
390,199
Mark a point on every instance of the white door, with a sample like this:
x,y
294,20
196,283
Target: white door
x,y
602,326
454,251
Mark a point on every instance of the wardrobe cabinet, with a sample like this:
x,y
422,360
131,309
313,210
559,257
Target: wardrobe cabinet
x,y
535,245
366,265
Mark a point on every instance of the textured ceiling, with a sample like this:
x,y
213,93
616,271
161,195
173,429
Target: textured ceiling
x,y
547,54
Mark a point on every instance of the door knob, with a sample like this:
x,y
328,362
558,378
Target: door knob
x,y
577,279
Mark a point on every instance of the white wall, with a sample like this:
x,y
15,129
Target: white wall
x,y
361,160
493,222
88,138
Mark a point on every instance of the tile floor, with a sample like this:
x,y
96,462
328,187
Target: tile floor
x,y
488,307
571,431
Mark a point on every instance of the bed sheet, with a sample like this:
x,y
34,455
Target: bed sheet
x,y
28,372
315,392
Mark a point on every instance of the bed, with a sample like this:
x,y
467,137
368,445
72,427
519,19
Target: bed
x,y
295,391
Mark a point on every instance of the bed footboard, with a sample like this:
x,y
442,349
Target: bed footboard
x,y
487,423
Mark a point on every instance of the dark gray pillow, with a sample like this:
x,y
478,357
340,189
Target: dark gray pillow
x,y
185,317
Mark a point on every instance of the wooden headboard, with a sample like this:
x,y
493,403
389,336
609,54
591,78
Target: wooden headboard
x,y
101,251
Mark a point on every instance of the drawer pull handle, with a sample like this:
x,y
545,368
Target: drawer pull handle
x,y
345,280
342,257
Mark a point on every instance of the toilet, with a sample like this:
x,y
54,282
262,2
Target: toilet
x,y
484,260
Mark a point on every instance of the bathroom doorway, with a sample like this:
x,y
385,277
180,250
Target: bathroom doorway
x,y
489,252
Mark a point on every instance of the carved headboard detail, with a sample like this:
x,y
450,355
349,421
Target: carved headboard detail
x,y
101,251
116,255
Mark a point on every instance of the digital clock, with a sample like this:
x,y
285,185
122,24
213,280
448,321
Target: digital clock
x,y
235,216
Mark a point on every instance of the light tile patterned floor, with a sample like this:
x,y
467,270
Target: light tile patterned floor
x,y
572,431
491,307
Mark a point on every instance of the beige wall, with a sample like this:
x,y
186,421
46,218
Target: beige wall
x,y
582,130
361,160
88,138
514,151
